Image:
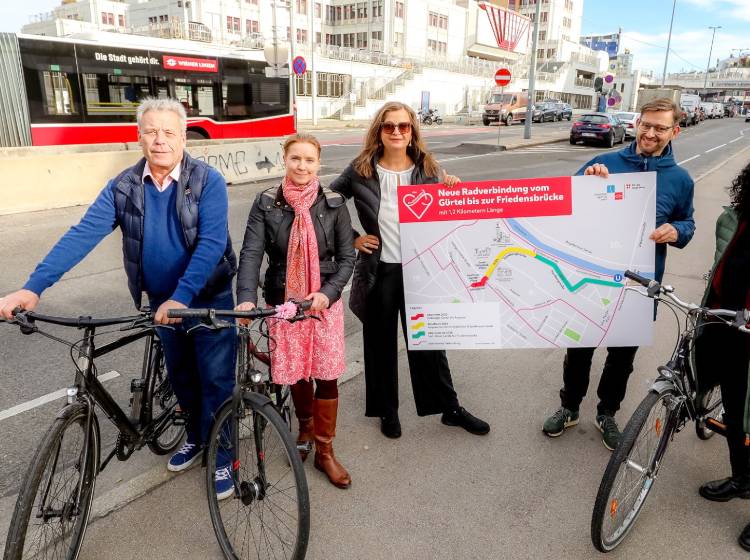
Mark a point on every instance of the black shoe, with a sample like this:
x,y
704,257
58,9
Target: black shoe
x,y
744,539
390,426
470,423
725,489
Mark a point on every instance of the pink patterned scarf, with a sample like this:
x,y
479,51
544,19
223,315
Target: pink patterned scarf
x,y
302,263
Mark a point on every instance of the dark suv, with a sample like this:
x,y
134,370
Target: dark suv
x,y
545,112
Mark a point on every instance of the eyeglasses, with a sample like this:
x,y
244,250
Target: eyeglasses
x,y
390,128
658,129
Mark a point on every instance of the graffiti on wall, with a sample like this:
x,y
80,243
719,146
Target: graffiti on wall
x,y
243,161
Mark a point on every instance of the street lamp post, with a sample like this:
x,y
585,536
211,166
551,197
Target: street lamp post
x,y
532,76
669,42
710,52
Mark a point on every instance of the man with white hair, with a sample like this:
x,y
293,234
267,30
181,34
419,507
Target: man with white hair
x,y
172,211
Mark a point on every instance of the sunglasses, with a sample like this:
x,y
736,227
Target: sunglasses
x,y
390,128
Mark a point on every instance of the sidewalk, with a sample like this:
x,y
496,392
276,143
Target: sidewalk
x,y
438,493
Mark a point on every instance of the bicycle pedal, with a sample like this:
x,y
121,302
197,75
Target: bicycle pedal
x,y
305,447
716,426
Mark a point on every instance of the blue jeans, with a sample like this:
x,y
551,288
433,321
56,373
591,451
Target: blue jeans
x,y
200,366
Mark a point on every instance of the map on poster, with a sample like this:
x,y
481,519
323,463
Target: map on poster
x,y
528,263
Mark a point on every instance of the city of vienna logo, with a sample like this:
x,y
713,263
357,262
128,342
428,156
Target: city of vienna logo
x,y
418,204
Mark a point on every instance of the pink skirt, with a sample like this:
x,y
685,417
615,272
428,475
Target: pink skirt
x,y
308,349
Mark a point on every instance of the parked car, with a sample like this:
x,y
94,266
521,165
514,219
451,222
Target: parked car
x,y
747,116
564,111
541,112
684,121
501,104
629,121
597,127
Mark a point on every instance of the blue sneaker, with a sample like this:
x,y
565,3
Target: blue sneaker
x,y
184,458
223,482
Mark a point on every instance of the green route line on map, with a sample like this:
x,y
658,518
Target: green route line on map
x,y
574,287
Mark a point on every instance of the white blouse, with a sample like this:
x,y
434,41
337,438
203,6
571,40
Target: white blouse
x,y
390,237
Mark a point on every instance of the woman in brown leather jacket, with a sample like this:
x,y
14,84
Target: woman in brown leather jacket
x,y
306,232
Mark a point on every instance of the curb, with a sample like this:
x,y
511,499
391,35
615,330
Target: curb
x,y
491,147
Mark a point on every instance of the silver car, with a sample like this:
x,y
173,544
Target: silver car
x,y
629,121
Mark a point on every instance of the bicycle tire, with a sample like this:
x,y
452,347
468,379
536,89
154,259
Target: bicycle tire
x,y
53,452
709,406
162,398
651,416
240,522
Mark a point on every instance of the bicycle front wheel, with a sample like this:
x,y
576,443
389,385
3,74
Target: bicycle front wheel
x,y
632,469
54,504
268,516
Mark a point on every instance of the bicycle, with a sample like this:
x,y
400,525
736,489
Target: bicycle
x,y
674,399
55,499
269,513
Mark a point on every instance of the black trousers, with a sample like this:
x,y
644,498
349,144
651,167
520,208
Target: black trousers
x,y
612,385
722,356
430,375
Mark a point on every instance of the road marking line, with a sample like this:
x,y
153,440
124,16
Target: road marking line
x,y
716,148
688,159
49,397
738,138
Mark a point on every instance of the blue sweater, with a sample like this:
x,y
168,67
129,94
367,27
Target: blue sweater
x,y
100,219
674,192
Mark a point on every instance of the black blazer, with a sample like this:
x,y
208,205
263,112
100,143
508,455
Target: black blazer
x,y
268,227
366,193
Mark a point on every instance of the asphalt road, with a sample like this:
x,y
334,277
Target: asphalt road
x,y
531,495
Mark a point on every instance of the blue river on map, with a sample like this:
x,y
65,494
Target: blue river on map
x,y
523,232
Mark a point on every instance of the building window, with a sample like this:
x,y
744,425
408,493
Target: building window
x,y
377,8
253,2
399,10
551,53
301,6
398,39
108,18
361,10
543,17
302,35
318,10
252,26
567,22
540,53
233,24
542,35
362,40
377,35
121,20
317,37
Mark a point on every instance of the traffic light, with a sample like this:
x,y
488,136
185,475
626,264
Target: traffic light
x,y
598,83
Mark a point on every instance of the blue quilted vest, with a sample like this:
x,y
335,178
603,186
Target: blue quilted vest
x,y
129,208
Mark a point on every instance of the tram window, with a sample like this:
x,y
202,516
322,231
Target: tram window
x,y
114,81
51,80
197,99
108,94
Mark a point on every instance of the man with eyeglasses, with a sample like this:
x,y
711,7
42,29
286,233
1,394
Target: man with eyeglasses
x,y
173,214
651,151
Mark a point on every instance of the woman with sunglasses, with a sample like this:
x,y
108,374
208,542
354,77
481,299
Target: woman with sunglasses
x,y
394,154
306,232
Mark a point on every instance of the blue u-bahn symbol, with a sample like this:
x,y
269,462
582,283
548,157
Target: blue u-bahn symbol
x,y
610,188
618,277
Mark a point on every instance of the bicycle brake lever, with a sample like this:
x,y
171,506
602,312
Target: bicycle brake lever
x,y
24,322
213,326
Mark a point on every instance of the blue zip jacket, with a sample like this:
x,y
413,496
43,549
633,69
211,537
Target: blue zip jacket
x,y
674,192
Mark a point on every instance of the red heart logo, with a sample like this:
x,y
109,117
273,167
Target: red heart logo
x,y
418,203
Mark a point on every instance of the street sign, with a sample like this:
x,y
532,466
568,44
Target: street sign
x,y
502,77
299,65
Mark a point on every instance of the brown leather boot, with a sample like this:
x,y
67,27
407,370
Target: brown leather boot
x,y
305,437
302,395
325,430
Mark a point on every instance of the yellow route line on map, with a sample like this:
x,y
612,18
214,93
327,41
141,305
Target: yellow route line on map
x,y
501,255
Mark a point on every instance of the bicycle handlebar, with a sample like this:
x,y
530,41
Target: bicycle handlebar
x,y
740,317
256,313
78,322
